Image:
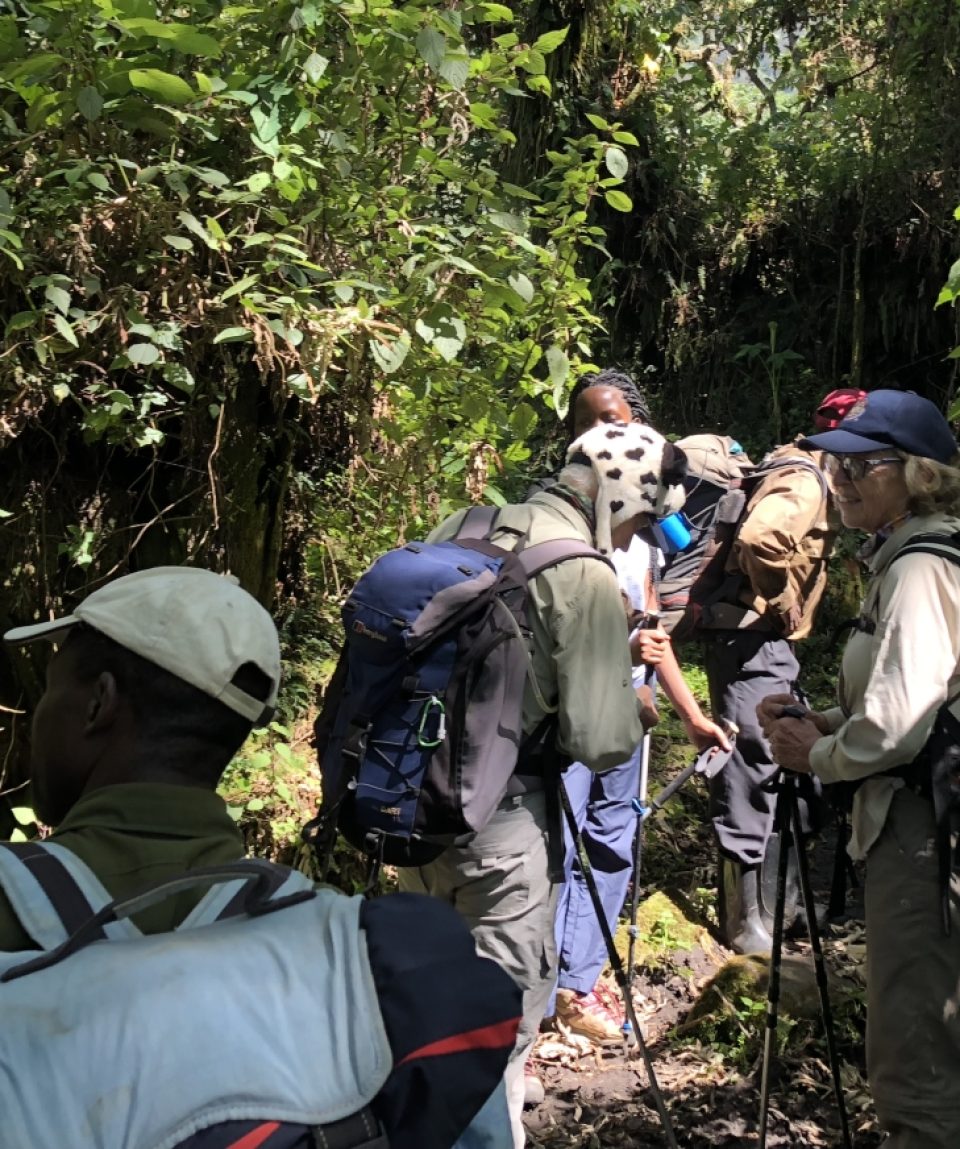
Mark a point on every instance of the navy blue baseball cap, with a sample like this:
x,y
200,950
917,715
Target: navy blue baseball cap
x,y
900,419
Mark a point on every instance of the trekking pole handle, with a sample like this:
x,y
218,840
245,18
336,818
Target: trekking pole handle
x,y
794,711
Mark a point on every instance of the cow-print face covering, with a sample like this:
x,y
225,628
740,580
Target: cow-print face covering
x,y
639,472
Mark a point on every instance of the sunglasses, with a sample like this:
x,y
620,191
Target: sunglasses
x,y
855,467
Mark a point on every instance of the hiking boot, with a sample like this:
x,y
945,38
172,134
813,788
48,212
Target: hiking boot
x,y
595,1015
533,1091
740,909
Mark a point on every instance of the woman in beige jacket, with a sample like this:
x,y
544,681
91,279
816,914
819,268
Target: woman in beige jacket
x,y
895,473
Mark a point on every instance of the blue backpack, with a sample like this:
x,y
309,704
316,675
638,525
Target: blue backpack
x,y
421,726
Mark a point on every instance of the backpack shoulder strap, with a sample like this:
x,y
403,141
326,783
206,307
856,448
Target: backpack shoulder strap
x,y
43,892
541,556
790,463
479,522
229,900
934,543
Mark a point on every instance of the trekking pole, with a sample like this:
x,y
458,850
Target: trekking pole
x,y
708,762
776,955
788,821
617,964
820,967
641,809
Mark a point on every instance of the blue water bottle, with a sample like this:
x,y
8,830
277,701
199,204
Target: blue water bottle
x,y
672,533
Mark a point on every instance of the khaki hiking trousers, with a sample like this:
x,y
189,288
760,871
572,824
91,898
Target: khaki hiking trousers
x,y
913,984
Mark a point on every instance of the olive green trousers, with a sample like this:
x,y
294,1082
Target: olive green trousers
x,y
913,984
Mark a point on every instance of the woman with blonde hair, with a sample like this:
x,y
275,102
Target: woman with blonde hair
x,y
895,473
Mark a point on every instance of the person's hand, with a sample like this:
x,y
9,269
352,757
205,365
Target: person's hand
x,y
702,732
791,740
647,647
769,713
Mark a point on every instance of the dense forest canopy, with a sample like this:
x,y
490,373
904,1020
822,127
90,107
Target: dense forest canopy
x,y
283,282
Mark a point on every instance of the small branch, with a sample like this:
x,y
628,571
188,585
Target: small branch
x,y
212,476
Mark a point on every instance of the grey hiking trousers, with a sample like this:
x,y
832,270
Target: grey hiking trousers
x,y
502,887
743,667
913,984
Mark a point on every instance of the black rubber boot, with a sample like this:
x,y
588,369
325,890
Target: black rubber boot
x,y
739,907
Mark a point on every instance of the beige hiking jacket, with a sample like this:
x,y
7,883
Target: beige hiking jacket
x,y
580,655
783,545
892,682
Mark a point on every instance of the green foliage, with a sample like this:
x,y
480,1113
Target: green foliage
x,y
271,791
310,189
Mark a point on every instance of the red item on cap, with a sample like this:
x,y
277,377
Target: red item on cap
x,y
836,406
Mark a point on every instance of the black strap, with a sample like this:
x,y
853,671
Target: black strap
x,y
478,523
791,462
67,899
359,1131
933,543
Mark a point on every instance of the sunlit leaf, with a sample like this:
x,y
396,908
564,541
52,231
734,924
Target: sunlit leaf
x,y
165,86
618,200
143,354
233,335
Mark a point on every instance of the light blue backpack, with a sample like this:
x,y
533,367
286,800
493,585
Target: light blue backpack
x,y
260,1007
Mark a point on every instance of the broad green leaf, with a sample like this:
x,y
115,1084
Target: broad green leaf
x,y
626,138
240,286
99,181
314,66
616,161
550,41
57,297
64,329
532,61
22,320
234,335
180,242
61,391
258,181
522,286
143,354
558,365
389,355
618,200
497,13
954,354
432,46
181,37
455,68
178,376
24,815
540,84
508,221
450,337
89,103
166,87
191,223
598,122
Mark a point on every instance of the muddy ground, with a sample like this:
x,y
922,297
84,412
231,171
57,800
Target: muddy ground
x,y
709,1071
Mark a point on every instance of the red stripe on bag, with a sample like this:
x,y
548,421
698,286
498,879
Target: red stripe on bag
x,y
255,1137
498,1036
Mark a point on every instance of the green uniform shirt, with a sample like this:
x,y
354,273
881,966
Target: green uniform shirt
x,y
135,834
581,655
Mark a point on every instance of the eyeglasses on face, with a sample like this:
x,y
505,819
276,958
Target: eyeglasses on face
x,y
855,467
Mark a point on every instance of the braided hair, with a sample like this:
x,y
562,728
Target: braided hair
x,y
619,381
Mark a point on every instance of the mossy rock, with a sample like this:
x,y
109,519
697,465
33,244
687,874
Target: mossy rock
x,y
664,931
747,978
